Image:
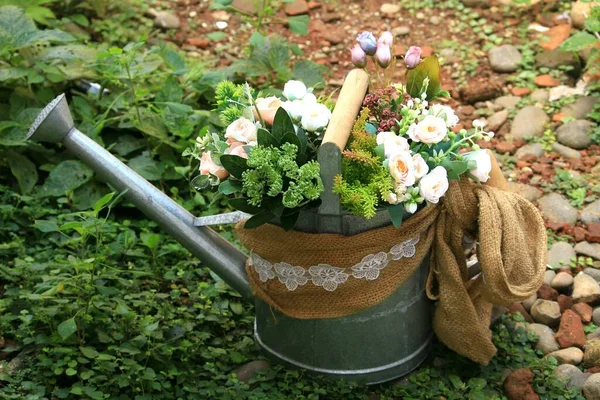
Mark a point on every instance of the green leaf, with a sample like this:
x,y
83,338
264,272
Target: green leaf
x,y
241,204
259,219
303,140
66,176
291,137
230,187
147,167
578,41
216,36
265,138
46,226
428,68
308,72
86,195
67,328
39,14
237,308
99,205
12,73
592,22
89,352
396,214
150,240
289,221
299,24
71,372
24,170
282,124
235,165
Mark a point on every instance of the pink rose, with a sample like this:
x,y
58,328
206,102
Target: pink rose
x,y
237,149
209,167
412,57
386,38
241,130
383,55
267,107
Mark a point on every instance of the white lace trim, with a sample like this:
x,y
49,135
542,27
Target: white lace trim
x,y
330,277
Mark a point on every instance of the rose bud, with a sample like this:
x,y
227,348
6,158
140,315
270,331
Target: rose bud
x,y
386,38
383,55
367,43
412,57
359,57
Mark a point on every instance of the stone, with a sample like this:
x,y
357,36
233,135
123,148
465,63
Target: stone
x,y
575,134
530,121
545,312
546,81
505,147
560,254
518,385
596,316
571,375
166,20
556,208
249,370
518,308
507,101
565,151
555,36
584,311
434,20
527,303
534,149
546,342
591,213
572,356
546,292
564,302
496,120
588,249
591,387
549,276
594,273
540,95
520,91
389,8
581,107
558,58
593,232
570,332
401,30
562,282
591,354
580,10
585,289
297,7
529,192
505,58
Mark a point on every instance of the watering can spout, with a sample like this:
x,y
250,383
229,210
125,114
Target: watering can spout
x,y
55,124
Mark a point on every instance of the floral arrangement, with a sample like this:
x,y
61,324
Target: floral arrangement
x,y
264,161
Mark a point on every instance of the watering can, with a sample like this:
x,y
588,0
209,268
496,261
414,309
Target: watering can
x,y
375,345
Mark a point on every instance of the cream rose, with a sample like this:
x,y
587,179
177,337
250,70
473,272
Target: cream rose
x,y
241,130
430,130
421,167
392,143
315,117
402,168
444,112
267,107
209,167
434,185
237,149
483,164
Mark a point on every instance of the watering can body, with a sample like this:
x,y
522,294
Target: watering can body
x,y
375,345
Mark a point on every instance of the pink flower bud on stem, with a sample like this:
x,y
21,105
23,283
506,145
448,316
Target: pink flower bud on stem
x,y
412,57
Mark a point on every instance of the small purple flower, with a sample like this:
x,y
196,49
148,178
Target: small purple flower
x,y
383,55
412,57
386,38
367,43
359,57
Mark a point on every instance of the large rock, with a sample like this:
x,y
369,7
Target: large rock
x,y
588,249
166,20
530,121
505,58
585,289
557,58
594,273
581,107
572,356
546,342
565,151
580,10
571,375
570,333
507,101
591,388
540,95
545,312
575,134
534,149
519,385
249,370
562,282
560,254
556,208
591,213
529,192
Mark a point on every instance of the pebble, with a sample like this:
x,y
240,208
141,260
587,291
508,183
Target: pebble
x,y
496,120
591,388
540,95
591,213
549,276
434,20
556,208
249,370
505,58
572,356
545,312
596,316
530,121
166,20
389,8
546,342
527,303
507,101
529,192
221,25
571,375
585,311
585,288
588,249
534,149
594,273
562,282
556,58
420,16
565,151
575,134
570,333
402,30
564,302
560,254
581,107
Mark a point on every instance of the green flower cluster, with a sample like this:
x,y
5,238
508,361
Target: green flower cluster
x,y
274,171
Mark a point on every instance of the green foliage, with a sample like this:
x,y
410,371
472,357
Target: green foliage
x,y
425,78
579,190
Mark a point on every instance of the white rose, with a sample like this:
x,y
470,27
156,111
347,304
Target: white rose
x,y
315,117
483,164
297,108
294,90
430,130
392,143
392,198
241,130
434,185
421,167
402,168
444,112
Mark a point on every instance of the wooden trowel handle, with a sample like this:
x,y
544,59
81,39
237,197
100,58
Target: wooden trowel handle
x,y
347,108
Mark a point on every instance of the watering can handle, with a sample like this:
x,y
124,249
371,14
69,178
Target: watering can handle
x,y
346,109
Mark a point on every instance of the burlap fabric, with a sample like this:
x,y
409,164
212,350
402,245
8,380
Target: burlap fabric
x,y
511,252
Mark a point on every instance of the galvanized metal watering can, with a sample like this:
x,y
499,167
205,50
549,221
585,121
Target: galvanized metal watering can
x,y
375,345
